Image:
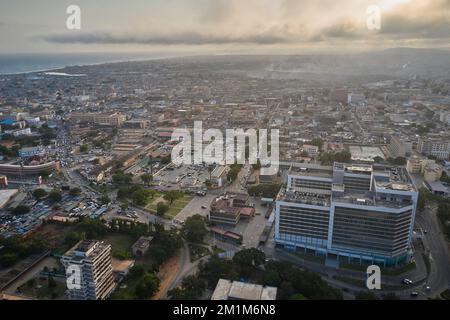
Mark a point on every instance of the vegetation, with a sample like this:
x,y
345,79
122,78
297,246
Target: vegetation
x,y
194,228
291,281
39,194
137,194
234,172
399,161
162,208
247,260
75,192
445,178
147,178
142,285
172,196
84,148
265,190
20,210
148,286
328,158
317,142
104,199
191,289
165,244
16,248
120,178
443,214
55,195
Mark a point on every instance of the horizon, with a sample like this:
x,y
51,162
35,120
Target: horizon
x,y
220,27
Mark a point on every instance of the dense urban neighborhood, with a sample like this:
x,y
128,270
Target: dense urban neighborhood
x,y
88,182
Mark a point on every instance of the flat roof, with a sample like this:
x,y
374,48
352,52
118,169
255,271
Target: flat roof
x,y
227,290
6,195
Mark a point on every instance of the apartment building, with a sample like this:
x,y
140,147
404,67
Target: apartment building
x,y
93,260
399,147
356,213
111,119
436,146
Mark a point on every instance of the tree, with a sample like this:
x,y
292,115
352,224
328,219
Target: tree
x,y
38,194
318,143
265,190
121,178
329,158
271,278
297,296
147,178
248,259
104,199
148,286
55,195
193,286
161,209
75,192
45,174
234,172
172,196
20,210
179,294
84,148
445,178
124,206
51,283
424,194
194,228
140,197
378,159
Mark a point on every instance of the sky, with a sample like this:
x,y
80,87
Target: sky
x,y
221,26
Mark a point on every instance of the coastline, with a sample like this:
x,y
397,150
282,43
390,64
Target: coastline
x,y
69,65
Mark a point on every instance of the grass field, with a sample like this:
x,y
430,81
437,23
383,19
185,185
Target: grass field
x,y
119,242
174,209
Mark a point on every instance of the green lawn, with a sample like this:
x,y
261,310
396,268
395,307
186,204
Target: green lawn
x,y
174,209
119,242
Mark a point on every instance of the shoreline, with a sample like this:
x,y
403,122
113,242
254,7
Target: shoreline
x,y
88,65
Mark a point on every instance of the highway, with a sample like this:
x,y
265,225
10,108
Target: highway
x,y
437,246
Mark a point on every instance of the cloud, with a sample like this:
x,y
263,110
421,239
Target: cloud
x,y
261,22
191,38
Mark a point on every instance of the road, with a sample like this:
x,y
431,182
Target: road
x,y
438,248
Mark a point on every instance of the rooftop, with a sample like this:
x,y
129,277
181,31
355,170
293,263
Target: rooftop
x,y
227,290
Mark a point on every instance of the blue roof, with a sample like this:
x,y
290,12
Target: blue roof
x,y
8,122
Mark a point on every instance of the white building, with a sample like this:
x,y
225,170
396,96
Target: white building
x,y
92,259
350,212
234,290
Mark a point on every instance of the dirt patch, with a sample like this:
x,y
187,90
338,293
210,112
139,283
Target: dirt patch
x,y
167,272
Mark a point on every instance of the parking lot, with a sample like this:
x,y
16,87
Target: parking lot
x,y
196,206
182,177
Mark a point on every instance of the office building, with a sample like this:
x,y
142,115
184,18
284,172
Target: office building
x,y
438,147
93,259
356,213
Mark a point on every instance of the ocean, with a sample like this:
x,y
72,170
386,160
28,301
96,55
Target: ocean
x,y
25,63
